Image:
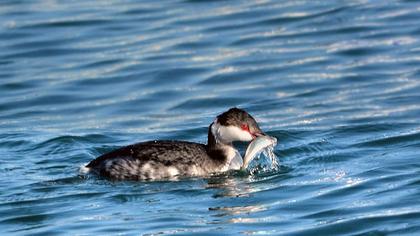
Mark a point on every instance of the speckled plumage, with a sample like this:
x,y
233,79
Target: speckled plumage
x,y
169,159
152,160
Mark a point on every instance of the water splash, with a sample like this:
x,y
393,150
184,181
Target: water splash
x,y
265,160
269,152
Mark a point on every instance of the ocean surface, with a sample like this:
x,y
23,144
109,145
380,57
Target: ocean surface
x,y
336,82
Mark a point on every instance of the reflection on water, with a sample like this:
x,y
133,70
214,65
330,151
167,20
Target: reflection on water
x,y
229,187
233,188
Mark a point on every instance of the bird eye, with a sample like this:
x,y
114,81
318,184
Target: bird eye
x,y
244,127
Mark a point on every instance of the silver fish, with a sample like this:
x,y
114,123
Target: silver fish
x,y
258,145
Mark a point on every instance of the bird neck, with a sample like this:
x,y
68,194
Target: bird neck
x,y
220,152
213,142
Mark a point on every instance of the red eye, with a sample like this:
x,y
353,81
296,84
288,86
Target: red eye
x,y
245,127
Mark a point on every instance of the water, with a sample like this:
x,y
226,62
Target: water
x,y
260,153
336,82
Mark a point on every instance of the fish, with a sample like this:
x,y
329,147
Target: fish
x,y
257,146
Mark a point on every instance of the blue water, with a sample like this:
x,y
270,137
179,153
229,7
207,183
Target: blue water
x,y
337,82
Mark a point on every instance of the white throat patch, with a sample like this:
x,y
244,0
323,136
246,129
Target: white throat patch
x,y
228,134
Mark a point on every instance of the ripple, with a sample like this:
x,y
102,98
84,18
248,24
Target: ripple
x,y
50,52
68,23
392,140
335,82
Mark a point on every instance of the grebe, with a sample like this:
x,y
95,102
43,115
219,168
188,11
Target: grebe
x,y
154,160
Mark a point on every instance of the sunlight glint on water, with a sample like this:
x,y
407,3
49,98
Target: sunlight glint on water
x,y
336,82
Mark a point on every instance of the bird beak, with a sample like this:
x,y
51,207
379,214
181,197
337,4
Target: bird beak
x,y
258,134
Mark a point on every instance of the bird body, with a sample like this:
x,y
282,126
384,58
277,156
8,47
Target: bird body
x,y
165,159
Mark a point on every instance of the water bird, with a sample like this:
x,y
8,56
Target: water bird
x,y
167,159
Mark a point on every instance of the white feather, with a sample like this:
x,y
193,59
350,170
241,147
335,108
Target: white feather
x,y
236,162
83,169
228,134
172,171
